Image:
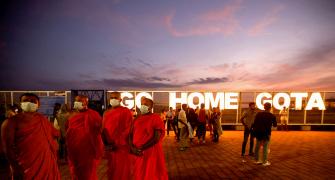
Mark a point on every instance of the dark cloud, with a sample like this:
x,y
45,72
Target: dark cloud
x,y
208,80
156,78
144,63
107,83
87,75
132,83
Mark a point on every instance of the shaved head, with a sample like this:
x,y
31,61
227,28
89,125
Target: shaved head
x,y
148,102
30,97
115,95
83,99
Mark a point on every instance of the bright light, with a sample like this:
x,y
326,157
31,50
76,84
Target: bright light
x,y
298,99
173,100
230,98
191,97
139,96
276,101
315,101
128,100
260,101
209,100
224,100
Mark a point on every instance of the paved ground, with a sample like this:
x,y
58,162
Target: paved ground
x,y
294,155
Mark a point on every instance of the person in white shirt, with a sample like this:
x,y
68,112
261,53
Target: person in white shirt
x,y
283,118
182,124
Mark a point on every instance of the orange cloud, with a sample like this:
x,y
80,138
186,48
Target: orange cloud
x,y
270,18
219,21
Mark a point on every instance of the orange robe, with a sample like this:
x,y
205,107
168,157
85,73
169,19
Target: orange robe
x,y
152,164
116,126
33,149
84,144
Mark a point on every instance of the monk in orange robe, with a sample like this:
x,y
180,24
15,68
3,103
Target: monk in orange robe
x,y
30,142
146,144
116,128
83,138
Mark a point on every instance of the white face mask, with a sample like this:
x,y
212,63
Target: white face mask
x,y
144,109
78,105
114,102
29,107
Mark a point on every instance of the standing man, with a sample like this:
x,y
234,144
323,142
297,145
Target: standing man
x,y
175,125
203,117
83,139
116,128
247,120
262,129
192,119
182,124
62,117
163,116
146,144
283,118
30,144
217,128
169,117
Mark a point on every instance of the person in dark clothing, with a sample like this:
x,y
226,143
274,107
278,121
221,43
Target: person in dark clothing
x,y
55,111
262,131
247,120
216,120
203,116
192,118
175,124
169,117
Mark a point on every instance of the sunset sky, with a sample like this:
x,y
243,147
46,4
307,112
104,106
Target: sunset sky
x,y
167,45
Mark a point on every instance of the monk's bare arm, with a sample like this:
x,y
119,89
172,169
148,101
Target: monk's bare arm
x,y
154,140
133,149
107,141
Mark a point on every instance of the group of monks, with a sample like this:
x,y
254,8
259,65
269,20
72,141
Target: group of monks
x,y
132,147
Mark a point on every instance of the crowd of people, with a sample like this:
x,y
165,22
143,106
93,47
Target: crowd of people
x,y
33,147
188,123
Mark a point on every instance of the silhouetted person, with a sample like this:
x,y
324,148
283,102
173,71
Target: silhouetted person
x,y
203,118
262,130
247,120
217,128
182,123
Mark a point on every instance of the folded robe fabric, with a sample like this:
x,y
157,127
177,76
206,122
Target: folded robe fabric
x,y
35,147
116,127
85,148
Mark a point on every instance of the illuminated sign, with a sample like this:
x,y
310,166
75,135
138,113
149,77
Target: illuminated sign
x,y
230,100
128,99
314,101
